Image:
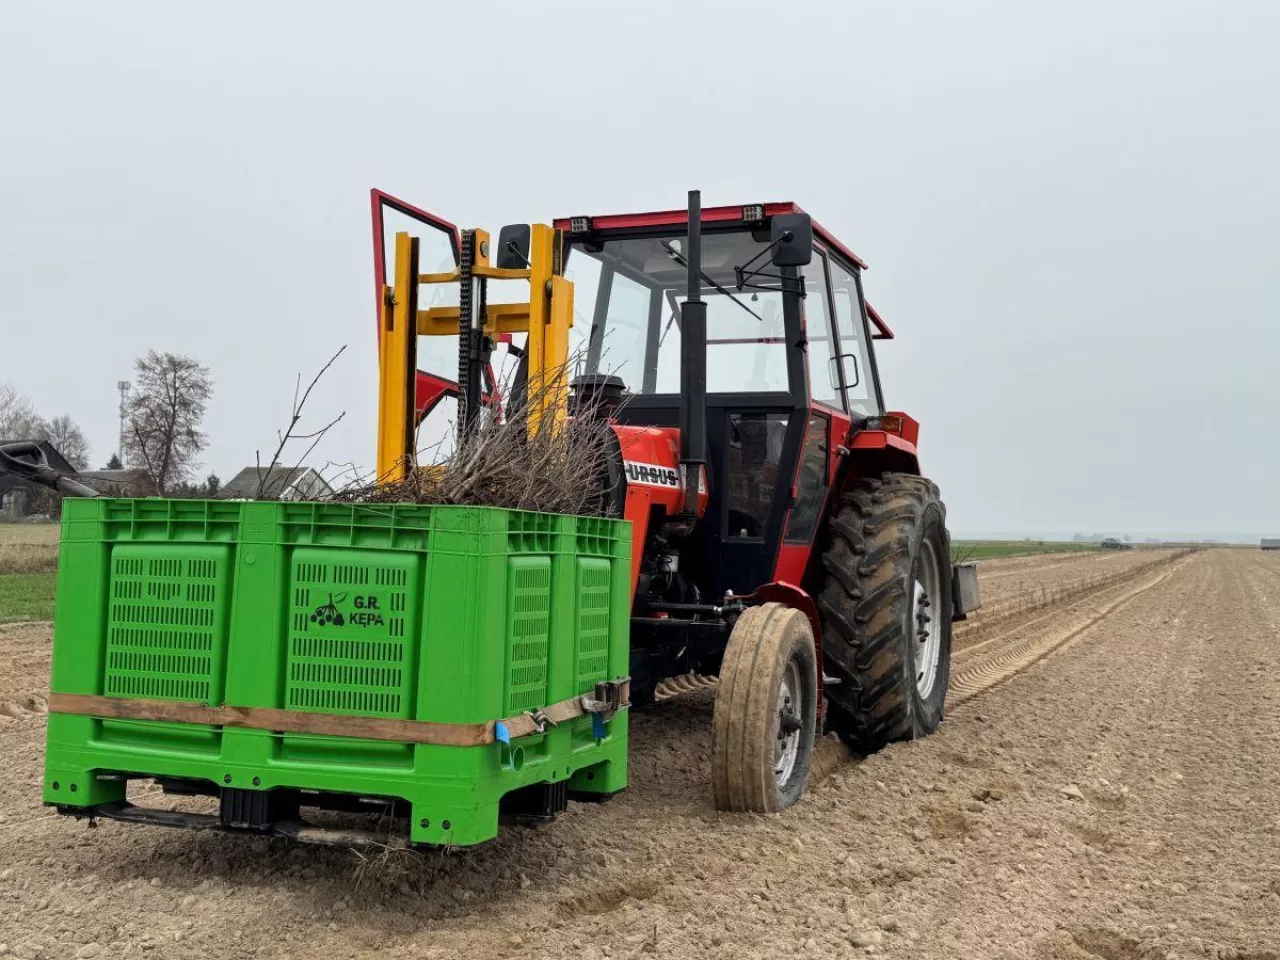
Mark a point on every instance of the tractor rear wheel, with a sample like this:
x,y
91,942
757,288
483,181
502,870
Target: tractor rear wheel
x,y
766,711
886,611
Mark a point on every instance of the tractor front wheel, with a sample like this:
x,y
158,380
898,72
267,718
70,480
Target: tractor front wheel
x,y
886,612
766,711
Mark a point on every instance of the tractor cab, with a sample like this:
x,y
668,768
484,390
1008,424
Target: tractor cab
x,y
789,367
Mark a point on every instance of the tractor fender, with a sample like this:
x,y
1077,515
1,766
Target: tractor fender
x,y
788,594
871,452
877,444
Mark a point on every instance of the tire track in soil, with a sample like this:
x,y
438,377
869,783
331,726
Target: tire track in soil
x,y
1007,616
1000,658
1132,711
1180,834
978,668
998,569
1012,590
1056,566
1002,655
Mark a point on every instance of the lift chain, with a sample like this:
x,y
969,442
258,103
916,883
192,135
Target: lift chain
x,y
466,343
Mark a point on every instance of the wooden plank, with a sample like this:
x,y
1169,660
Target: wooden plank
x,y
279,721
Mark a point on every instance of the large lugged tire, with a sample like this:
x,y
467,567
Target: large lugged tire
x,y
886,611
766,710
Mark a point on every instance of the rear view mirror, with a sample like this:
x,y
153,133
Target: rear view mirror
x,y
513,247
791,235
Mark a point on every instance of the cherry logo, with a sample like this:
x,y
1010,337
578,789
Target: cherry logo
x,y
328,613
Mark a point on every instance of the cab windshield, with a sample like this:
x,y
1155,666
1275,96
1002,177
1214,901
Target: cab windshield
x,y
627,296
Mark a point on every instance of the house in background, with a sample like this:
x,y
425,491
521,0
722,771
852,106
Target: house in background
x,y
20,498
277,483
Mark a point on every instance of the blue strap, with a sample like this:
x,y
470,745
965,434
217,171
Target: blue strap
x,y
597,727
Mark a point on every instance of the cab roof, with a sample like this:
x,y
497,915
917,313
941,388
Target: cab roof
x,y
671,218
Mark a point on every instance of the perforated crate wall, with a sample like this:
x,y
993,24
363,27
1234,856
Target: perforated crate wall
x,y
592,651
528,630
350,619
166,626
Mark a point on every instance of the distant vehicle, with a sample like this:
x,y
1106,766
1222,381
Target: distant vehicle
x,y
1111,543
1270,543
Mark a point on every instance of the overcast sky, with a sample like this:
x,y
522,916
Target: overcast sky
x,y
1070,209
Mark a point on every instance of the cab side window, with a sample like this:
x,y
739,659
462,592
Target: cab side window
x,y
824,382
855,354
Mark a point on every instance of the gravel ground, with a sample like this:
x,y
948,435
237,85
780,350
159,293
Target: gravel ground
x,y
1115,799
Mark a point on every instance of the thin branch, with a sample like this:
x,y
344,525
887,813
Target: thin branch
x,y
320,432
319,435
264,481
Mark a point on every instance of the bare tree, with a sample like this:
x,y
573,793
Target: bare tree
x,y
18,418
69,440
165,412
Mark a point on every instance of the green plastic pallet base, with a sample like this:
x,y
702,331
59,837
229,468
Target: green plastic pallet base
x,y
446,810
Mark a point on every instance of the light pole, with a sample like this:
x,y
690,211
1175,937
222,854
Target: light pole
x,y
123,387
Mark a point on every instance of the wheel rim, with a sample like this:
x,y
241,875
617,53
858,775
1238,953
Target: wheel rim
x,y
926,621
787,724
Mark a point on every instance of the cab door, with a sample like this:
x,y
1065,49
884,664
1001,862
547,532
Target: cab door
x,y
827,424
861,381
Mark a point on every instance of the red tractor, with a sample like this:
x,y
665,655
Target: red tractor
x,y
784,537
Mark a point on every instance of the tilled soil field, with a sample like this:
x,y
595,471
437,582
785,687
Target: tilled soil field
x,y
1004,579
1104,787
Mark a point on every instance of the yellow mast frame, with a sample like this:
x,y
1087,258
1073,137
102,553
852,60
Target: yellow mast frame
x,y
546,318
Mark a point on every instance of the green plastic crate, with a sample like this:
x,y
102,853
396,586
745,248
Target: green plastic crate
x,y
444,614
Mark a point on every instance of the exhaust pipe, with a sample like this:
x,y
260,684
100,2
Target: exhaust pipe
x,y
693,365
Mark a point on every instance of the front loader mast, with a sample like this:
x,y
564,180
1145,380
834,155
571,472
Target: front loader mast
x,y
546,318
